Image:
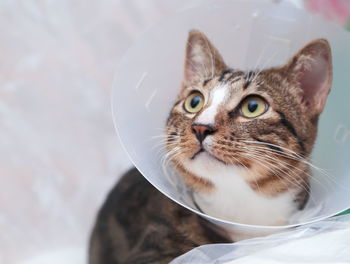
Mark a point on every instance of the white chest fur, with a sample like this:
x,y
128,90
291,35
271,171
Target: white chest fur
x,y
234,200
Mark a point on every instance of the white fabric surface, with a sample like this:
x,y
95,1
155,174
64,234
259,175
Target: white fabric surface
x,y
326,241
333,247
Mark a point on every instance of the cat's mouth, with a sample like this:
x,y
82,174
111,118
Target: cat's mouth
x,y
198,152
204,151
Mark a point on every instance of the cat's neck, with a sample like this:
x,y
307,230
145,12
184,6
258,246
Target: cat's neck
x,y
234,200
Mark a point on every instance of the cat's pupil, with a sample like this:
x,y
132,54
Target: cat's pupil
x,y
253,106
195,101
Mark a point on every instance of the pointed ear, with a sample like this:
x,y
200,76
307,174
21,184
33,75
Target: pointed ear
x,y
203,61
312,68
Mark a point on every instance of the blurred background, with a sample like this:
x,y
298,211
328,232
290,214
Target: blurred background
x,y
59,152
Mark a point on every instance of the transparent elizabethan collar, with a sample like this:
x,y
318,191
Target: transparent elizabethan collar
x,y
314,237
248,35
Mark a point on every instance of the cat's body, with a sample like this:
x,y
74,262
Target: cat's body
x,y
240,140
137,225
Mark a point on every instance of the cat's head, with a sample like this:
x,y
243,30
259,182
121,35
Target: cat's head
x,y
263,121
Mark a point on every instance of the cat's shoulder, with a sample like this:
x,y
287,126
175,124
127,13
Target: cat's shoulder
x,y
138,218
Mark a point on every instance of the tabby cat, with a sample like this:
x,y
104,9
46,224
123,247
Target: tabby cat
x,y
241,142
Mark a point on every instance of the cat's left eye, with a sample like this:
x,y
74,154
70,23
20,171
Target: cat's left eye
x,y
253,106
194,102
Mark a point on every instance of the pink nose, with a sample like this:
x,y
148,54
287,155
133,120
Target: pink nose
x,y
202,131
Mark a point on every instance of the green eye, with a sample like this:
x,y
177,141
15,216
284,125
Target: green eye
x,y
253,106
194,102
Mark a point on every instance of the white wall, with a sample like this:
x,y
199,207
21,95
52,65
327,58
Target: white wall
x,y
59,153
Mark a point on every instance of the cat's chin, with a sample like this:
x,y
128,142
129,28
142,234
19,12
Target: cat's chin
x,y
205,165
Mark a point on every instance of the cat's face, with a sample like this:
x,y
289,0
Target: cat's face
x,y
263,122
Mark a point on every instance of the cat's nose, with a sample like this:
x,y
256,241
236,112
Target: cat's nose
x,y
202,131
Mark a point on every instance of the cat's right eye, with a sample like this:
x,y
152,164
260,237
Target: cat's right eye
x,y
194,102
253,106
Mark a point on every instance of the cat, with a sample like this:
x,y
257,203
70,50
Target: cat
x,y
240,140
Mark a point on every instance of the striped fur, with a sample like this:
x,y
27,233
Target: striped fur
x,y
253,171
138,225
271,151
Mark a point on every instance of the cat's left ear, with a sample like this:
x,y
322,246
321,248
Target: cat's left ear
x,y
203,61
312,69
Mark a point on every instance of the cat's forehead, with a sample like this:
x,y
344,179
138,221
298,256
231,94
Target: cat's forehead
x,y
233,84
265,83
233,80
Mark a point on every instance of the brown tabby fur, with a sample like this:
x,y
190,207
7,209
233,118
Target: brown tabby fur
x,y
137,224
291,125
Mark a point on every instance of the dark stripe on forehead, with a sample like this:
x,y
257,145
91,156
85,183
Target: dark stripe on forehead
x,y
291,129
248,79
234,75
206,81
224,74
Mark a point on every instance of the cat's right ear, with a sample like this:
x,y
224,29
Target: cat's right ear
x,y
203,61
312,68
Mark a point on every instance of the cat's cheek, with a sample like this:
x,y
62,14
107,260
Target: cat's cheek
x,y
188,153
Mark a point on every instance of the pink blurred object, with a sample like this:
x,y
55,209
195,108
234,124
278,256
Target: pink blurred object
x,y
337,11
